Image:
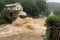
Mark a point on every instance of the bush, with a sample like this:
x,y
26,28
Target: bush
x,y
53,21
2,17
3,21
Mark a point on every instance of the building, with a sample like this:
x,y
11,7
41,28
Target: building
x,y
13,7
14,10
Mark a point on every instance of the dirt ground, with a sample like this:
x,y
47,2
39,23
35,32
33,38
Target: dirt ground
x,y
24,29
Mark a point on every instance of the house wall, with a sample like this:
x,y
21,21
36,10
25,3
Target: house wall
x,y
17,7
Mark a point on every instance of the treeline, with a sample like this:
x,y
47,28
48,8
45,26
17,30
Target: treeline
x,y
55,7
32,7
52,22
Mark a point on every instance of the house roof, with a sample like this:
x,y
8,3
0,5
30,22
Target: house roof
x,y
11,4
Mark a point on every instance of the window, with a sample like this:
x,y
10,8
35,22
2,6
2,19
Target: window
x,y
11,7
17,7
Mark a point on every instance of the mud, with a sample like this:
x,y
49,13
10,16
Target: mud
x,y
24,29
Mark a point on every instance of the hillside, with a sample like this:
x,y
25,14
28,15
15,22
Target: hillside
x,y
53,6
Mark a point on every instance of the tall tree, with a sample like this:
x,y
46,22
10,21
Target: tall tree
x,y
10,1
2,3
42,6
30,7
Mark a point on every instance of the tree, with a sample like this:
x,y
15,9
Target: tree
x,y
42,6
32,7
57,12
10,1
2,3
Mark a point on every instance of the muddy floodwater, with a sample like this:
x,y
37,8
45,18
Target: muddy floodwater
x,y
24,29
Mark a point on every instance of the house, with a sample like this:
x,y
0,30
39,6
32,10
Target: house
x,y
13,7
14,10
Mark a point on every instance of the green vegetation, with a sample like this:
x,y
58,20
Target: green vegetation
x,y
33,7
2,18
52,21
48,33
53,6
57,12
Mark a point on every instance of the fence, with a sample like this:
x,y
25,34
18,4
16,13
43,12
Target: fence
x,y
54,34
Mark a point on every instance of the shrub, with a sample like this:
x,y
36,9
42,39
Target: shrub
x,y
2,17
3,21
53,21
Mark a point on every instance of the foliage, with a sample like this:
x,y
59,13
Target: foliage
x,y
3,21
2,3
41,5
10,1
31,6
2,18
53,6
48,33
57,12
53,21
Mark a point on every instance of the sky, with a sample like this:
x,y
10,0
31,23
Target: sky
x,y
57,1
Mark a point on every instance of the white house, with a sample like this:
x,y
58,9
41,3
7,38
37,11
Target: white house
x,y
13,7
14,10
